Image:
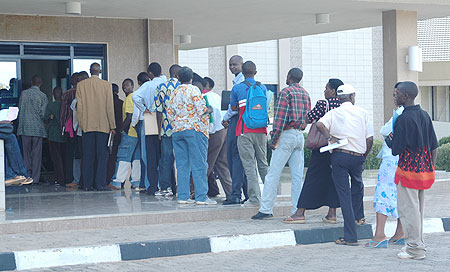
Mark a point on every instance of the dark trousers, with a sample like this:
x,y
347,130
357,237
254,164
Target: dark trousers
x,y
166,169
69,149
95,159
112,159
239,181
56,153
217,161
350,196
153,151
32,156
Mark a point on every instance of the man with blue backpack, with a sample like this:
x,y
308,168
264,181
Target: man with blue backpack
x,y
250,100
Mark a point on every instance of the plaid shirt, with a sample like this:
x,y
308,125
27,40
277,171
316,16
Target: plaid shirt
x,y
290,111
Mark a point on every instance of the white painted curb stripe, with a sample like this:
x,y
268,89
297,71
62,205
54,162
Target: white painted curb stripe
x,y
66,256
252,241
430,225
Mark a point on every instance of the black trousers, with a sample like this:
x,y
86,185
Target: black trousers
x,y
95,158
153,151
350,194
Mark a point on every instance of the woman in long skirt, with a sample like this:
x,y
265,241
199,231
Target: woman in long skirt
x,y
318,188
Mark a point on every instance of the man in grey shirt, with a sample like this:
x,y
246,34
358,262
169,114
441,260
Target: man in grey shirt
x,y
32,105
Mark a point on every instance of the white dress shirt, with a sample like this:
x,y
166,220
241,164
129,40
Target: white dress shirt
x,y
230,113
350,122
144,97
215,102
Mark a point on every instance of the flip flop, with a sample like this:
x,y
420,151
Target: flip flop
x,y
329,221
341,241
400,241
290,220
374,244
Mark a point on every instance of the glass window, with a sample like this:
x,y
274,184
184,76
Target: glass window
x,y
9,83
84,64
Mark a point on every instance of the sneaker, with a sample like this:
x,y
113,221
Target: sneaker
x,y
231,202
206,202
168,192
405,255
159,193
261,216
187,201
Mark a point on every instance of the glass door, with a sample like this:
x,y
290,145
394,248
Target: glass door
x,y
9,83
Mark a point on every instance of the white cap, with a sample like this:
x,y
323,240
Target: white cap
x,y
345,89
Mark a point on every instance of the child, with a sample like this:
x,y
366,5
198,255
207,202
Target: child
x,y
55,137
415,141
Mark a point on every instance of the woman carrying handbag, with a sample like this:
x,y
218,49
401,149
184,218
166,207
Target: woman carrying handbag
x,y
318,187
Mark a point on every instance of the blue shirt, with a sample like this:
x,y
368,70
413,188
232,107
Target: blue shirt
x,y
239,98
230,113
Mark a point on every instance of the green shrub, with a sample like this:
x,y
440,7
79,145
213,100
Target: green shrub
x,y
444,140
443,158
372,162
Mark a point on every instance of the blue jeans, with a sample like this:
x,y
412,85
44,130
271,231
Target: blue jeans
x,y
238,179
128,156
144,183
166,171
14,164
290,149
351,193
191,152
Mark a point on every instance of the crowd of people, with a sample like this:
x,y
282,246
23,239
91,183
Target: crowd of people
x,y
171,137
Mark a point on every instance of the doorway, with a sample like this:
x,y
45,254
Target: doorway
x,y
54,73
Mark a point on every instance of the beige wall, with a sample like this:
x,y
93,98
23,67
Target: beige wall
x,y
127,39
435,74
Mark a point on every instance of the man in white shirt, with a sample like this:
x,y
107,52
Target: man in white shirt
x,y
352,123
217,152
143,99
239,181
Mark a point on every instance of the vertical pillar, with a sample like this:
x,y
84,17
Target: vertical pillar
x,y
217,69
284,61
176,54
2,178
399,32
160,43
230,51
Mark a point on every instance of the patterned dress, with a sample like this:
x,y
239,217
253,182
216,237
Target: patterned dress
x,y
385,198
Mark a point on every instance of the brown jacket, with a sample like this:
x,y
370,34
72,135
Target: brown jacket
x,y
95,107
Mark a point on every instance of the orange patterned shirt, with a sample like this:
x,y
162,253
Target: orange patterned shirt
x,y
187,109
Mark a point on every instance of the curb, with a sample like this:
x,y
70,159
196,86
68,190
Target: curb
x,y
45,258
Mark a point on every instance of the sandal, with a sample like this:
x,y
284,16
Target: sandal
x,y
361,222
341,241
400,241
329,221
290,220
375,244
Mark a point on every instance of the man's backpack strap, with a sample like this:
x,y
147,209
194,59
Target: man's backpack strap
x,y
247,83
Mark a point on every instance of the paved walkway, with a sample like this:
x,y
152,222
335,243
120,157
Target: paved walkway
x,y
319,257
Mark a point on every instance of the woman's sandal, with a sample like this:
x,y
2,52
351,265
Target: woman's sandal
x,y
329,221
341,241
361,222
290,220
375,244
400,241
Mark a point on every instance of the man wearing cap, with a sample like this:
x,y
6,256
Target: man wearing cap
x,y
352,123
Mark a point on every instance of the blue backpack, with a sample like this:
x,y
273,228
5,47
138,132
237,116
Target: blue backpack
x,y
255,115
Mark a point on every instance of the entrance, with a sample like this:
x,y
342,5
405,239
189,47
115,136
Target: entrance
x,y
54,73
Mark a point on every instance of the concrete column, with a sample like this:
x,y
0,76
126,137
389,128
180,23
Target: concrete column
x,y
284,61
399,32
230,50
160,43
176,54
2,178
217,69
